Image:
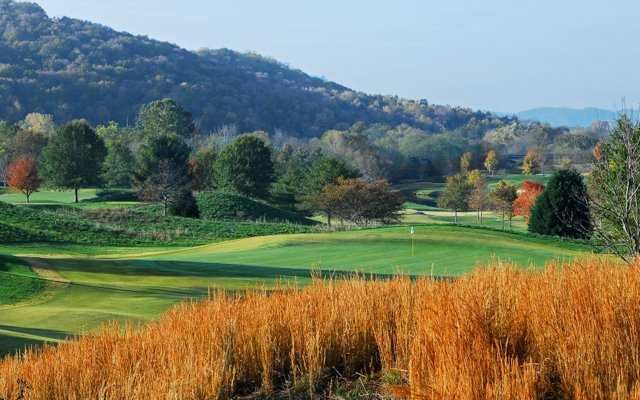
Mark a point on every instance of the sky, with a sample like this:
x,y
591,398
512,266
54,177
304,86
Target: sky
x,y
498,55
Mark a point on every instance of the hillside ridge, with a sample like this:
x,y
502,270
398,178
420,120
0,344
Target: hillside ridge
x,y
71,69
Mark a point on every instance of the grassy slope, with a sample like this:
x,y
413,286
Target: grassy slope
x,y
17,281
123,228
138,286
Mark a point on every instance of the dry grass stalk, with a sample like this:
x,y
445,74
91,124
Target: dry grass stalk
x,y
571,331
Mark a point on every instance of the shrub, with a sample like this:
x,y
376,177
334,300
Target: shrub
x,y
185,205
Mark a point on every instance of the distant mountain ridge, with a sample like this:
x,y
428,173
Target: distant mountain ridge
x,y
571,117
76,69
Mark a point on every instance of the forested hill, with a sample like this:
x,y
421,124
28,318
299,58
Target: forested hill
x,y
77,69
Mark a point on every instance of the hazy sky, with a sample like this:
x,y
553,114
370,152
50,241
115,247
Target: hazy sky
x,y
502,55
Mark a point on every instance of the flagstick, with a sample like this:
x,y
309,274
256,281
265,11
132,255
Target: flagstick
x,y
412,233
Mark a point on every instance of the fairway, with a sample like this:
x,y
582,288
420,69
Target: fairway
x,y
98,285
422,207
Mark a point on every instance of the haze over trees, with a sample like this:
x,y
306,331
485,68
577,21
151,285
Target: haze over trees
x,y
75,69
213,96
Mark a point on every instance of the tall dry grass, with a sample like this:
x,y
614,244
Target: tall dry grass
x,y
571,332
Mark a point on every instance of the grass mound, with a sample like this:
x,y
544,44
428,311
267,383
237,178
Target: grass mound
x,y
11,234
230,206
17,281
26,225
124,227
500,333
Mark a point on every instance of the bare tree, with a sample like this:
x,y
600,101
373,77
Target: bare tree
x,y
615,191
165,185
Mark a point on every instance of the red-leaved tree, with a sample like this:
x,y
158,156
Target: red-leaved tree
x,y
22,176
527,198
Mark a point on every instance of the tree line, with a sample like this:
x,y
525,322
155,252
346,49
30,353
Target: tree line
x,y
602,206
163,159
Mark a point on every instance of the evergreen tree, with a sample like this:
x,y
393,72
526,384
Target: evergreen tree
x,y
562,209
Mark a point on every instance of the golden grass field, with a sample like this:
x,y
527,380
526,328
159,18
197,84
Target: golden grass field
x,y
570,331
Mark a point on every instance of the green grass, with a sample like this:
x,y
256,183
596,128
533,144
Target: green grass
x,y
423,208
18,282
130,264
518,179
136,285
234,207
89,198
124,227
48,196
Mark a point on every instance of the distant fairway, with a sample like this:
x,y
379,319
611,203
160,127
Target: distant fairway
x,y
89,198
423,197
138,284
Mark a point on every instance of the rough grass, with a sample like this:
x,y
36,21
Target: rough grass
x,y
571,331
123,227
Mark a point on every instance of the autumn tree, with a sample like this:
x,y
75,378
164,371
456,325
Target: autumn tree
x,y
531,163
479,199
503,196
73,157
456,194
491,162
22,176
360,201
465,162
41,124
527,198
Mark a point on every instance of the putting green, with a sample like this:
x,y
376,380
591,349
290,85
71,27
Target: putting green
x,y
96,285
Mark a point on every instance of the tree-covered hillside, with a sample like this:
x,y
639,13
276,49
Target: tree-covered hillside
x,y
75,69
